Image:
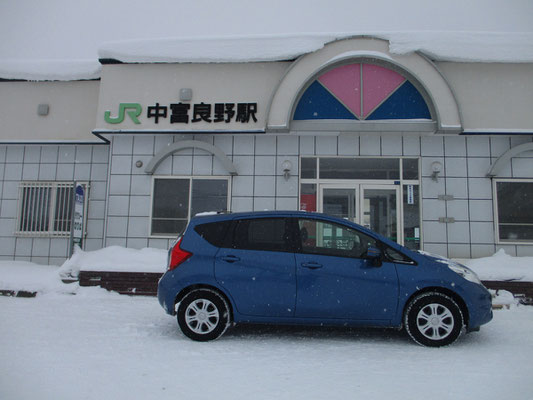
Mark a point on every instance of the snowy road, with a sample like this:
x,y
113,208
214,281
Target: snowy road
x,y
98,345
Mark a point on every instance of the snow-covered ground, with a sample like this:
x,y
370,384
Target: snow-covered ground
x,y
100,345
72,342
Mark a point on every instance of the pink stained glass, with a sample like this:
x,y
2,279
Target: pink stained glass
x,y
345,84
378,84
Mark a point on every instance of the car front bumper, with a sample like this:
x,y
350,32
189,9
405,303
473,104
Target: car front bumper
x,y
480,308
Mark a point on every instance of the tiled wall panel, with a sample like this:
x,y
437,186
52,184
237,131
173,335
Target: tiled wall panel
x,y
50,162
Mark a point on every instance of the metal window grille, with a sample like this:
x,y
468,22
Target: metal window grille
x,y
45,209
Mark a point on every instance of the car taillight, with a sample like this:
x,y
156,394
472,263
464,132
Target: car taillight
x,y
177,256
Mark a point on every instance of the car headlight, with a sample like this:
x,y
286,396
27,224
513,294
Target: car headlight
x,y
465,272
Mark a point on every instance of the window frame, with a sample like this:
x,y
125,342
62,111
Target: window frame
x,y
53,185
190,178
496,215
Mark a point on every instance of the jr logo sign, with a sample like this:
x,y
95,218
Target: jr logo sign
x,y
185,113
135,110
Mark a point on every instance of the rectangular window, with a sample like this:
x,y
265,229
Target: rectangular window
x,y
170,209
410,168
45,208
514,211
308,168
176,200
359,168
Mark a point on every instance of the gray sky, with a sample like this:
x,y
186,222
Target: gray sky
x,y
74,29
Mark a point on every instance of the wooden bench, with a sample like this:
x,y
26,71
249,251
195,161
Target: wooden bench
x,y
17,293
132,283
521,290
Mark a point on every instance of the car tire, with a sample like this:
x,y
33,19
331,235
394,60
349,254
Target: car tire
x,y
203,315
433,319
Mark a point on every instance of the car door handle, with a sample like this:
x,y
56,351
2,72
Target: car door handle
x,y
230,259
311,265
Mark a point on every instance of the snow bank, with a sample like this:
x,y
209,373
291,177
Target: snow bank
x,y
116,259
502,267
30,277
20,275
50,70
503,298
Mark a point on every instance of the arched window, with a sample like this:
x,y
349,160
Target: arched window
x,y
362,91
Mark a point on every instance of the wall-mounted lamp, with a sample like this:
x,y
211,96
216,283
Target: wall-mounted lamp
x,y
436,168
185,94
139,164
286,166
43,109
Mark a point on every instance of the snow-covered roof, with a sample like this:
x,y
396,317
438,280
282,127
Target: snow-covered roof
x,y
440,46
215,49
70,36
49,70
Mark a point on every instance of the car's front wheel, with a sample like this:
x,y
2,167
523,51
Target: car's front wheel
x,y
433,319
203,315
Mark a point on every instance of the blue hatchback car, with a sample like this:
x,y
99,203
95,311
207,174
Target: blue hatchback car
x,y
305,268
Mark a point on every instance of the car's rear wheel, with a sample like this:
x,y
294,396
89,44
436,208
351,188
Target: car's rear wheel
x,y
433,319
203,315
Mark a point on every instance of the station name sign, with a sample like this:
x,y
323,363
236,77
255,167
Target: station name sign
x,y
183,113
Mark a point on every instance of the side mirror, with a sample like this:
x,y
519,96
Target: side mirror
x,y
375,255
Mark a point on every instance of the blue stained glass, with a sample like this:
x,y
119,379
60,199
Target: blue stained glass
x,y
318,103
405,103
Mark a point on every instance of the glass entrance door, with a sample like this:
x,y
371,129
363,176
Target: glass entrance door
x,y
376,207
340,202
380,210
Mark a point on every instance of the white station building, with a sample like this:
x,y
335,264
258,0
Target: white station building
x,y
432,153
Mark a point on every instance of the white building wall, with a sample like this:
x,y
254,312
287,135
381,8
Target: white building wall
x,y
119,209
71,113
492,97
260,184
466,161
50,162
462,191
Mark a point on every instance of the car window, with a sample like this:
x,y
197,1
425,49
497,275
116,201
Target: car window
x,y
326,238
214,232
269,234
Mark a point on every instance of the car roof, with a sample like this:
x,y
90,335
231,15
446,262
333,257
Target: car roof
x,y
214,217
251,214
228,216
